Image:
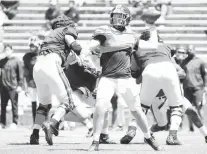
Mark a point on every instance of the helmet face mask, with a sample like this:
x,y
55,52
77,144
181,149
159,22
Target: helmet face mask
x,y
120,16
119,19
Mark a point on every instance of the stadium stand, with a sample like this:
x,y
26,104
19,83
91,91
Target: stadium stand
x,y
185,26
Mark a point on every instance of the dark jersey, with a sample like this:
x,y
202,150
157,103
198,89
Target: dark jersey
x,y
146,56
116,47
29,62
55,42
79,78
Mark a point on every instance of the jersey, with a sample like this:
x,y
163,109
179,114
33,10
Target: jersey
x,y
145,57
116,47
195,69
79,78
55,42
29,62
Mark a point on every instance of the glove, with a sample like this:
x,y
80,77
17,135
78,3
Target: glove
x,y
145,35
150,16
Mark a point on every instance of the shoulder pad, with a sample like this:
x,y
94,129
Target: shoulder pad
x,y
70,31
101,30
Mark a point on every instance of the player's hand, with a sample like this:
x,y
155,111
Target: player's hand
x,y
18,89
145,35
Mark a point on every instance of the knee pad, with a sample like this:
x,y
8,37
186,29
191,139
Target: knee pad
x,y
176,111
44,109
145,108
67,106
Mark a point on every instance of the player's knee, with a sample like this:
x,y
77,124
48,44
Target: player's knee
x,y
67,106
102,105
145,108
176,111
44,109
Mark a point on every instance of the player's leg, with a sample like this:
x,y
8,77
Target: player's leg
x,y
33,97
198,98
148,89
114,104
159,111
80,113
192,113
189,95
172,89
44,96
121,114
104,136
60,86
130,94
105,91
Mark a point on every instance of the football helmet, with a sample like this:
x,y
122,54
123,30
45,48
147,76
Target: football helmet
x,y
62,21
120,16
150,16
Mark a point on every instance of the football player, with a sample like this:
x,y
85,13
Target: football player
x,y
159,109
50,77
114,43
84,79
29,62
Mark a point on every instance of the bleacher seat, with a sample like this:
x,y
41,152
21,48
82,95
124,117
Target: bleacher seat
x,y
185,26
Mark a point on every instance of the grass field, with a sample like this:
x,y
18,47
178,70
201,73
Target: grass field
x,y
75,142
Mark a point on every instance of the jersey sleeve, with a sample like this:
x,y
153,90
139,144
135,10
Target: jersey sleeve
x,y
70,31
100,34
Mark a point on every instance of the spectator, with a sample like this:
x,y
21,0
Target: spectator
x,y
10,8
53,10
194,85
29,62
72,12
180,55
11,84
3,18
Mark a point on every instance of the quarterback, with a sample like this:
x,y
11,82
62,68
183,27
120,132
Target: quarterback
x,y
115,43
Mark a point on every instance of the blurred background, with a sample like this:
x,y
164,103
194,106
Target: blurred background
x,y
182,23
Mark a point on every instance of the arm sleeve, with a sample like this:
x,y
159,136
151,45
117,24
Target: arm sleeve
x,y
203,71
99,35
70,31
20,73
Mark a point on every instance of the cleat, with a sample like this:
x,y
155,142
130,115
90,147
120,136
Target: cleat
x,y
173,140
156,128
104,139
94,146
129,136
153,143
48,132
90,133
34,139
